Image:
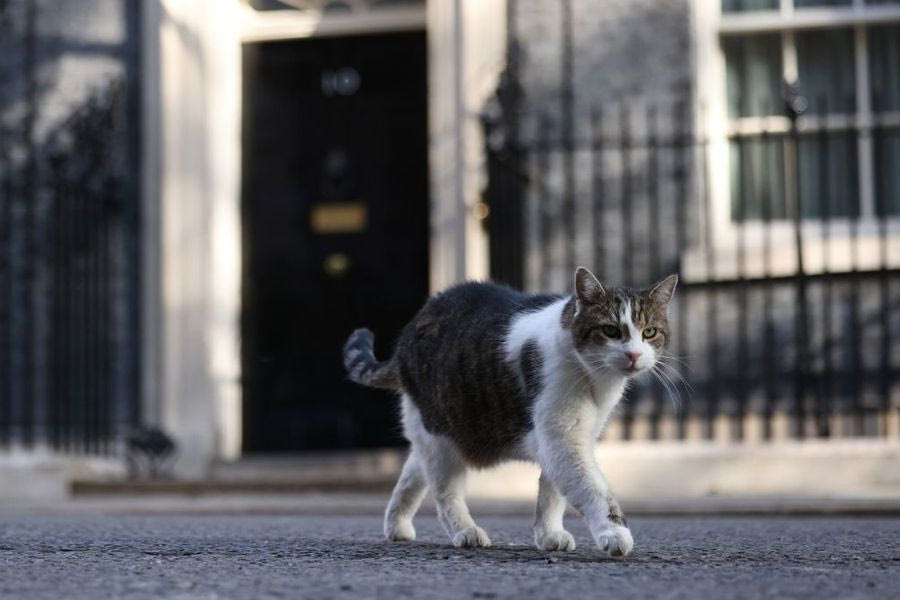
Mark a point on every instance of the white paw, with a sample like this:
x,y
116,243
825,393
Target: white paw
x,y
555,540
471,537
615,540
399,531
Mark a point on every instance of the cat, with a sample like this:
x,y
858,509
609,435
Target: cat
x,y
487,374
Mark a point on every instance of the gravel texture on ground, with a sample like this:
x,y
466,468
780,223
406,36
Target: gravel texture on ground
x,y
345,557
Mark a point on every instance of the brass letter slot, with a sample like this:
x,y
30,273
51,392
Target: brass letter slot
x,y
338,217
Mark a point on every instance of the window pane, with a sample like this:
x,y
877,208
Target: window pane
x,y
887,174
828,175
745,5
884,65
753,66
757,178
269,5
334,6
826,70
805,3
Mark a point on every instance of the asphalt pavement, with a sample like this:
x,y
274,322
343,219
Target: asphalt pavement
x,y
217,556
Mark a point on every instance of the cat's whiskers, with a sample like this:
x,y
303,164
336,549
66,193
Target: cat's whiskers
x,y
671,387
672,371
660,378
674,357
669,383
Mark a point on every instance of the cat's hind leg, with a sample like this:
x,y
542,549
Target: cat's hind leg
x,y
549,533
445,472
405,501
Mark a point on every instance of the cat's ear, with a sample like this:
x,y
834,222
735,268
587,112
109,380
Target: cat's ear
x,y
662,291
587,288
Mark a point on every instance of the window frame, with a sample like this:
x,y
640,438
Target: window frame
x,y
710,25
300,20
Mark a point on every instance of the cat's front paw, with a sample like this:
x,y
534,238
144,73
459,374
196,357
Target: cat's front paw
x,y
560,540
399,531
471,537
615,540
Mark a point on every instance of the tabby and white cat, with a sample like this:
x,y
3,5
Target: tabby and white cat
x,y
488,374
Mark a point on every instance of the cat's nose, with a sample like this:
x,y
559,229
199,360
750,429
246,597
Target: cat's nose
x,y
633,356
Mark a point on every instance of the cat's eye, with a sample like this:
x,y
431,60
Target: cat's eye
x,y
611,331
649,332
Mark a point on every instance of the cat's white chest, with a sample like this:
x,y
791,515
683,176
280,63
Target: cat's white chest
x,y
605,395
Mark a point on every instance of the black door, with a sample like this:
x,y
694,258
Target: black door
x,y
335,222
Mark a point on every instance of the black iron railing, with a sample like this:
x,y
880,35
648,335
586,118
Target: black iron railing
x,y
68,313
69,239
787,318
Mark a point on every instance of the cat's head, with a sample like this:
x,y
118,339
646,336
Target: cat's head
x,y
620,329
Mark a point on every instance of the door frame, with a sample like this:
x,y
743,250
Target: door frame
x,y
191,123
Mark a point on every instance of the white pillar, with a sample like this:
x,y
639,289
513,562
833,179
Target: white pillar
x,y
192,248
466,54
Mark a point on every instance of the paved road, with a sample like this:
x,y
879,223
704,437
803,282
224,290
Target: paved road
x,y
344,557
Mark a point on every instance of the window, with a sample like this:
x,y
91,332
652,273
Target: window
x,y
843,56
329,6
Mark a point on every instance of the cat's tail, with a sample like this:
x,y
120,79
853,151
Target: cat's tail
x,y
362,366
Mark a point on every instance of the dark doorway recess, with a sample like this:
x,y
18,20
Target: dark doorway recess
x,y
335,231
